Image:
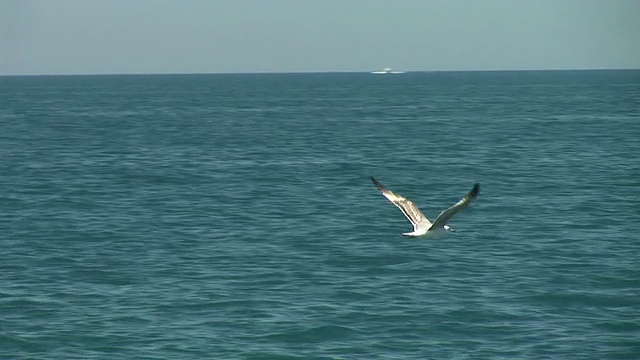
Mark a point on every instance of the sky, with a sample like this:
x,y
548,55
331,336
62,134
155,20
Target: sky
x,y
239,36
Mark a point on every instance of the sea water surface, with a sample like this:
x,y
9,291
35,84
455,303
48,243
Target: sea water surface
x,y
232,216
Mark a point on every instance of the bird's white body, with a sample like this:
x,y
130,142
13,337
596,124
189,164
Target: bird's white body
x,y
429,232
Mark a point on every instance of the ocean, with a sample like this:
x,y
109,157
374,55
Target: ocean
x,y
231,216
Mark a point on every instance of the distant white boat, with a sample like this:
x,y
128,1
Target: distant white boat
x,y
387,71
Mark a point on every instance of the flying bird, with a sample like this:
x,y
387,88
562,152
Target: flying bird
x,y
421,225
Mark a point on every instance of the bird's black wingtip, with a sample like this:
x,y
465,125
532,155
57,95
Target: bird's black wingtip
x,y
475,190
376,183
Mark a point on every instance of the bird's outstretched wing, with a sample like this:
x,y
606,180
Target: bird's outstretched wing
x,y
447,214
408,208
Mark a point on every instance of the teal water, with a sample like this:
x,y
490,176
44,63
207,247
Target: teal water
x,y
232,216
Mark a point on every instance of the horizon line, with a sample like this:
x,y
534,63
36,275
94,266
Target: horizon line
x,y
314,72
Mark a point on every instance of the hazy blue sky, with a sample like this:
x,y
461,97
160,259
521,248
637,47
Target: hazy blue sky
x,y
210,36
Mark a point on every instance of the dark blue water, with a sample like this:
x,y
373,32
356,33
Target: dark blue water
x,y
232,217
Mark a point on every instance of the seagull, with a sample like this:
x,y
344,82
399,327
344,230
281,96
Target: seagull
x,y
421,225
